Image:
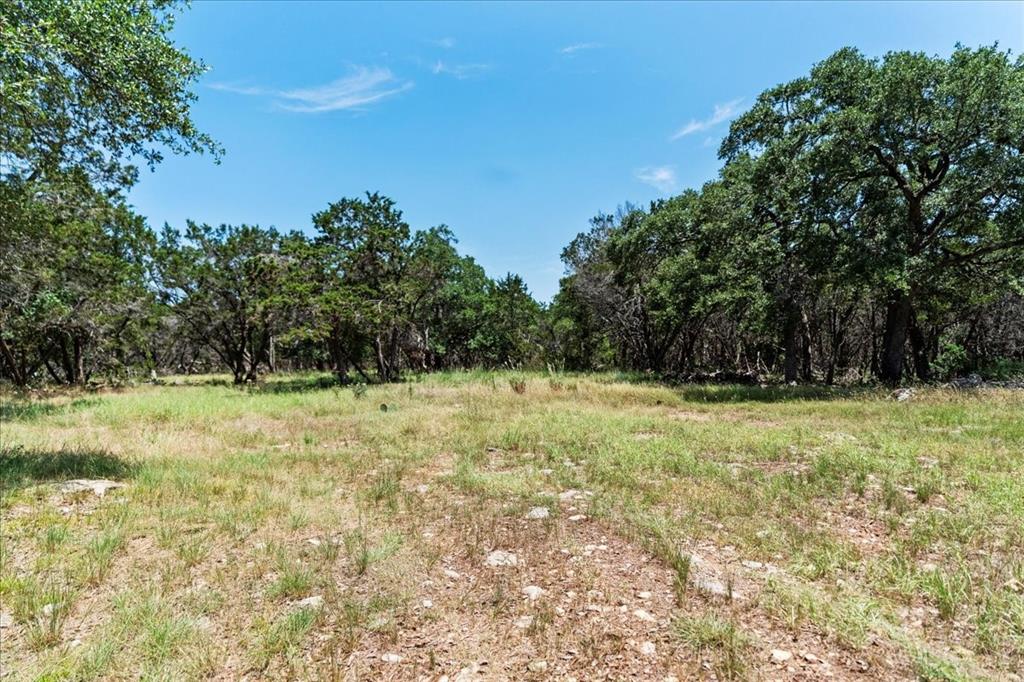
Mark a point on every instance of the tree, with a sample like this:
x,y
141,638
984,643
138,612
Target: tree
x,y
914,163
508,335
75,295
221,283
88,86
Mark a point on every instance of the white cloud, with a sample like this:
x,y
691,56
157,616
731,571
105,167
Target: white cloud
x,y
572,49
460,71
446,43
662,178
722,112
365,85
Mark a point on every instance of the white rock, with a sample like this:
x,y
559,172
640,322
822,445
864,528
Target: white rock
x,y
644,595
314,541
533,592
648,649
454,575
715,588
538,666
98,486
781,655
6,620
75,643
427,604
422,488
500,557
754,565
568,495
547,472
578,517
538,513
643,615
524,622
314,602
391,658
902,395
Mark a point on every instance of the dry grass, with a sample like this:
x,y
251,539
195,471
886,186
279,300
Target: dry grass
x,y
297,530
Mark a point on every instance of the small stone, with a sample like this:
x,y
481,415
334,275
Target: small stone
x,y
75,643
6,620
538,513
781,655
427,604
810,658
643,615
754,565
648,649
538,666
422,488
454,575
533,592
902,395
547,472
391,658
578,517
314,602
315,542
523,622
500,557
715,588
644,595
568,495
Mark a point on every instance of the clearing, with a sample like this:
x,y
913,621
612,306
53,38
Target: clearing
x,y
497,526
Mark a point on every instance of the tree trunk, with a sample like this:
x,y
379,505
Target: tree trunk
x,y
894,340
18,376
919,345
790,343
79,359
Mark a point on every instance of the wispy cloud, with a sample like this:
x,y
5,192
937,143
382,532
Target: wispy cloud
x,y
722,112
446,42
362,87
577,47
662,178
460,71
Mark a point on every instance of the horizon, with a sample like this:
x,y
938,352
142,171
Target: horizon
x,y
511,124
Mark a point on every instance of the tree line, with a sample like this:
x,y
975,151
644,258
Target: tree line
x,y
866,224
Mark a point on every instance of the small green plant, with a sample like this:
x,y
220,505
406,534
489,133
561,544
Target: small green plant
x,y
358,391
711,635
284,636
518,385
55,536
99,554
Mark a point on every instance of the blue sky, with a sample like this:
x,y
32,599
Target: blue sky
x,y
513,124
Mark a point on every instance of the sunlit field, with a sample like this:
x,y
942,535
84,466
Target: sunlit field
x,y
500,526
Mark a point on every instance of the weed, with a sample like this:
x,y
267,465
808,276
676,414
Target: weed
x,y
709,634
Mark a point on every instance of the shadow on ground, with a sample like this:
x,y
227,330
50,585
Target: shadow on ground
x,y
731,393
21,467
29,410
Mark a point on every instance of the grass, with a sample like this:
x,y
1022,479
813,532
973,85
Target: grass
x,y
890,526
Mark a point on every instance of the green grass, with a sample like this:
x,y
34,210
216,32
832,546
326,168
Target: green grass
x,y
239,502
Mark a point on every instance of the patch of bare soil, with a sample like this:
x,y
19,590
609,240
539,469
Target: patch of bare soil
x,y
564,597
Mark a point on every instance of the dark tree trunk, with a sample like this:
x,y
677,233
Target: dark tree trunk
x,y
17,373
894,340
791,343
79,359
919,345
